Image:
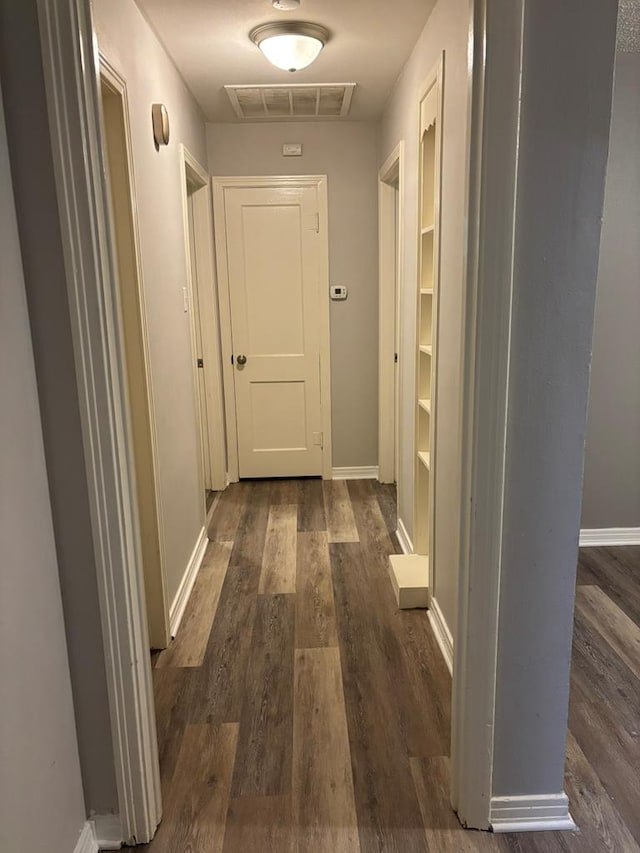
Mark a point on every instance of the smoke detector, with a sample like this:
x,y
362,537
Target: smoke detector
x,y
286,5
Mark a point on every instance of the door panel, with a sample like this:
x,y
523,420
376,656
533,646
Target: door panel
x,y
274,285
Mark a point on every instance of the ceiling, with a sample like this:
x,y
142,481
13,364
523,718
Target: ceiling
x,y
208,40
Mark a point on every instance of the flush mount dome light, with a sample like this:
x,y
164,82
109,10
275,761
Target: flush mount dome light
x,y
292,45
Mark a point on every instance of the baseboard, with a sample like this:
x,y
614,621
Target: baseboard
x,y
591,538
442,633
176,611
87,842
367,473
404,540
531,814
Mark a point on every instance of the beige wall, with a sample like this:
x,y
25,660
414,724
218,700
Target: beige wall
x,y
129,44
346,153
446,30
42,802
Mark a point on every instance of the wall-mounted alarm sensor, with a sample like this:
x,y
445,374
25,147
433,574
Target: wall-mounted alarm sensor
x,y
160,123
286,5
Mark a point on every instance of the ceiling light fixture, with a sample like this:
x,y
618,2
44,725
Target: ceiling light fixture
x,y
291,46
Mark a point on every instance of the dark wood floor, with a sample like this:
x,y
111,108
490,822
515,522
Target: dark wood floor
x,y
299,710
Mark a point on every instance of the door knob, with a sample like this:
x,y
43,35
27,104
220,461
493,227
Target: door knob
x,y
242,359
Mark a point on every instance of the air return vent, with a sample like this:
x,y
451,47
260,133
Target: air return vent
x,y
285,102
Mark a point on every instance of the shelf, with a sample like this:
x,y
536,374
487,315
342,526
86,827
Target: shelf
x,y
426,350
426,405
426,291
428,229
424,458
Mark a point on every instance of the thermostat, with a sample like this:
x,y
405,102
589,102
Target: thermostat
x,y
338,291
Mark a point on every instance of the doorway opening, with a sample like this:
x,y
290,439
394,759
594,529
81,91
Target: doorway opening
x,y
130,296
201,302
390,265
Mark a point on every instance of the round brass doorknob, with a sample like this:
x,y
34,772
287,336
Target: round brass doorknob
x,y
242,359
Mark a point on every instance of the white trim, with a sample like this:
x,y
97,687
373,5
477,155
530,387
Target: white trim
x,y
71,70
179,603
204,304
364,473
442,633
107,831
547,812
220,184
404,540
87,842
609,536
494,115
390,284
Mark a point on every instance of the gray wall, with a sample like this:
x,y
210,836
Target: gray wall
x,y
42,802
346,153
564,136
130,45
446,30
611,496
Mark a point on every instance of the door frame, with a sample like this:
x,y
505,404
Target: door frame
x,y
155,582
390,287
203,303
71,70
220,184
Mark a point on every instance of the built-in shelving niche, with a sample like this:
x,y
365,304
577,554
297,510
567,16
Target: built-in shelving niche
x,y
410,573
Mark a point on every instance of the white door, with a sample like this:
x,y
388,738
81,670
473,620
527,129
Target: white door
x,y
274,274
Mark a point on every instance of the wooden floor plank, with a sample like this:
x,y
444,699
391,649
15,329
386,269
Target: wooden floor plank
x,y
605,677
614,571
263,762
227,514
386,497
422,685
222,685
324,812
279,559
612,754
315,608
173,690
388,814
196,811
612,623
188,647
600,825
443,831
259,825
284,492
341,525
311,505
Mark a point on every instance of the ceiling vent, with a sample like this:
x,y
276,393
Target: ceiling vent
x,y
286,102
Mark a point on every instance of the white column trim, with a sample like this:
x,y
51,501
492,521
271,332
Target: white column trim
x,y
70,65
494,116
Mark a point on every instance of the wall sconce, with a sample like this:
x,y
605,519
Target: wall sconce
x,y
160,124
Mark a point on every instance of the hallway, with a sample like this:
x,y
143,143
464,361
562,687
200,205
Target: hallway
x,y
298,709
